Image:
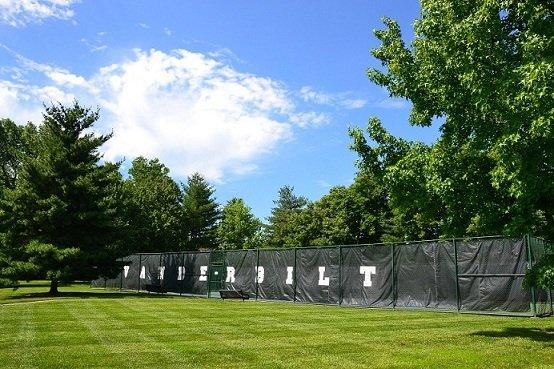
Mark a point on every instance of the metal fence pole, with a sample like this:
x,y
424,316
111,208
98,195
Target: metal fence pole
x,y
550,299
394,293
181,266
526,241
551,302
159,275
139,271
257,271
340,275
120,279
458,302
295,274
209,273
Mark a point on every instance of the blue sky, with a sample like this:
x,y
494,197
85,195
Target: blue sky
x,y
255,95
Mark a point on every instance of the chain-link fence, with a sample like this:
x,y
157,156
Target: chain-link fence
x,y
483,274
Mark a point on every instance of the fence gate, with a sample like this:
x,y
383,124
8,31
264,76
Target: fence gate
x,y
217,272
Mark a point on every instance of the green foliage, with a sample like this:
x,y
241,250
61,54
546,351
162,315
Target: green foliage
x,y
201,213
486,69
12,151
44,261
285,222
541,274
238,228
347,215
152,208
96,328
64,198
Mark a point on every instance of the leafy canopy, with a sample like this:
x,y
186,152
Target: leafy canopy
x,y
238,228
486,69
153,208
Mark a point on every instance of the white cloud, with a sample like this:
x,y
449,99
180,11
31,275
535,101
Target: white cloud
x,y
323,183
354,103
97,45
18,102
192,111
18,13
392,103
167,31
59,76
310,118
311,95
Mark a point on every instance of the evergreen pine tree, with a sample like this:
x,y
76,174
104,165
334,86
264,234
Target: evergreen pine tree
x,y
59,221
201,213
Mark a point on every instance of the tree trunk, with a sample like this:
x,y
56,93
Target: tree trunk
x,y
53,287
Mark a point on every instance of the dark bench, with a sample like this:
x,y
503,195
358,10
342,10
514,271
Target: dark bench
x,y
155,288
229,294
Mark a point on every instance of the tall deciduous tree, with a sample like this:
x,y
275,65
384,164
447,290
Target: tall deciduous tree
x,y
15,145
486,67
238,228
153,208
60,220
201,213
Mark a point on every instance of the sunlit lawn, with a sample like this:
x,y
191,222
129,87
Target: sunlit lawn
x,y
87,328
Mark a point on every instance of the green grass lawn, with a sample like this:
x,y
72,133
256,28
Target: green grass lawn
x,y
87,328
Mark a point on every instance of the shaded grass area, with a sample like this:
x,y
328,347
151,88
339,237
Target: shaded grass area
x,y
89,328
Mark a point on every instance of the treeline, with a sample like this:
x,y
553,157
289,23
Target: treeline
x,y
56,190
484,68
65,214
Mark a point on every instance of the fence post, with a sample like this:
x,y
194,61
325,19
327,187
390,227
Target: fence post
x,y
179,266
526,241
550,298
393,277
551,302
340,275
139,271
209,274
458,300
159,275
295,274
121,279
257,267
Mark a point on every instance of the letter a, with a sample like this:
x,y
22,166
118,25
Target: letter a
x,y
323,281
143,272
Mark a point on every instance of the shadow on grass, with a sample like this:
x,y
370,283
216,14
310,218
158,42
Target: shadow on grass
x,y
535,334
87,295
41,284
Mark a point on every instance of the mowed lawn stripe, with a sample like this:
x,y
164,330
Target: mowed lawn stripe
x,y
199,338
141,331
129,334
25,338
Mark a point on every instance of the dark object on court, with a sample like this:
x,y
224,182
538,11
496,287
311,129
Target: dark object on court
x,y
155,288
231,294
